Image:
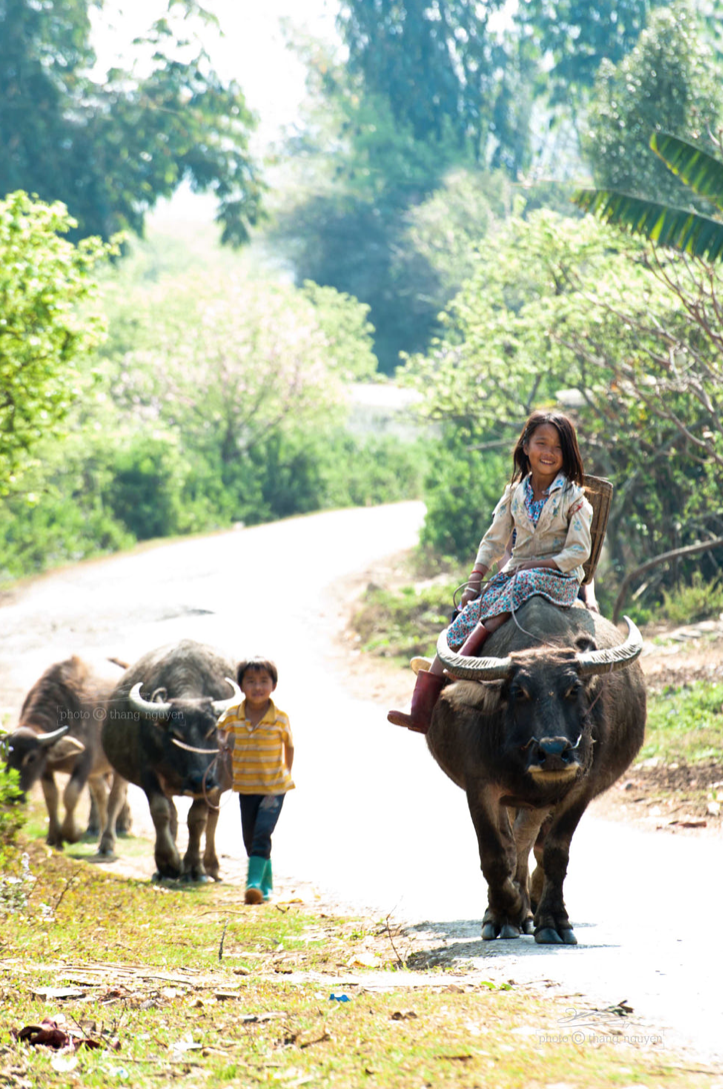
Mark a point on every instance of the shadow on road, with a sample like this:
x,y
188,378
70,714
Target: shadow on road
x,y
457,943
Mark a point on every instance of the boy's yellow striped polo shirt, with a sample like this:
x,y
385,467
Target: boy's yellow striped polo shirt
x,y
258,760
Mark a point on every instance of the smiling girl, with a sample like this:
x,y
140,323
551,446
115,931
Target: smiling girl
x,y
545,509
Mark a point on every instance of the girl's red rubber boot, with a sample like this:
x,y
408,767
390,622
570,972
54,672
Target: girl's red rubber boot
x,y
474,641
426,693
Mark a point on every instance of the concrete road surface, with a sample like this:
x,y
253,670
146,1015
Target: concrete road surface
x,y
374,822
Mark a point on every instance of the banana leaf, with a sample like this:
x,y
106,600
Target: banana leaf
x,y
696,168
678,228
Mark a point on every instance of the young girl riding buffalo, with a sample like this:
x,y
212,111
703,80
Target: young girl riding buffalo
x,y
544,511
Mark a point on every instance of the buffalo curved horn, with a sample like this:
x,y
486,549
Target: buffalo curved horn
x,y
145,707
219,706
610,659
46,740
475,669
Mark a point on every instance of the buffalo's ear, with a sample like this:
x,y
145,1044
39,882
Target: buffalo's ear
x,y
470,695
585,642
65,748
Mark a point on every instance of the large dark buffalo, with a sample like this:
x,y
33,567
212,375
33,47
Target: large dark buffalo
x,y
557,718
59,731
159,732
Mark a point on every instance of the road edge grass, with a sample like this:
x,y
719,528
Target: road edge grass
x,y
186,983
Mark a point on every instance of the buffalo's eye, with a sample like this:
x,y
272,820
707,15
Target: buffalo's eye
x,y
522,695
573,691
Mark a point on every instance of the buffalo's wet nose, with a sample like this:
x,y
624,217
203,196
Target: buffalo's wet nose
x,y
197,782
552,753
554,746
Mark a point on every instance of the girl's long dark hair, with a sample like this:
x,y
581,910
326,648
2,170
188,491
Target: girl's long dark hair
x,y
571,459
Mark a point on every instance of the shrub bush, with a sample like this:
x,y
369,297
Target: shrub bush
x,y
461,491
12,815
109,496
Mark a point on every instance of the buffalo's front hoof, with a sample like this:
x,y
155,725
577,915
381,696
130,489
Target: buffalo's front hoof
x,y
159,878
547,935
194,877
494,926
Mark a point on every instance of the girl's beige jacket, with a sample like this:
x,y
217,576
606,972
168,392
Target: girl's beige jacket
x,y
562,532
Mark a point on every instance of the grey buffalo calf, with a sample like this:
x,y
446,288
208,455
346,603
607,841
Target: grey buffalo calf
x,y
59,731
159,732
547,720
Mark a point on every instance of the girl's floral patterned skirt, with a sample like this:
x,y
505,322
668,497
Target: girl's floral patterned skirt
x,y
506,592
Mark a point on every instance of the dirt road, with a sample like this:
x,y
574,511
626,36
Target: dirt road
x,y
374,822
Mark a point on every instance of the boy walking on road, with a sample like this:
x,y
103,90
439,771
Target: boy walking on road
x,y
262,756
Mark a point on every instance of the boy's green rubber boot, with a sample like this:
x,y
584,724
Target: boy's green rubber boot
x,y
257,865
267,881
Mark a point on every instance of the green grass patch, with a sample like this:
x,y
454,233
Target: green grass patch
x,y
398,624
685,724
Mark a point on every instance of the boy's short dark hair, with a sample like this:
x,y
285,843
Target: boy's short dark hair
x,y
257,664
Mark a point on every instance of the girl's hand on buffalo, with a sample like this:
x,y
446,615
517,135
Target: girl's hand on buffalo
x,y
470,594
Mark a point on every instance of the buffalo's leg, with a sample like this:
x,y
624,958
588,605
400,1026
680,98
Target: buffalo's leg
x,y
552,925
74,788
99,797
168,860
124,820
197,820
507,911
210,858
94,825
116,801
526,827
537,880
50,793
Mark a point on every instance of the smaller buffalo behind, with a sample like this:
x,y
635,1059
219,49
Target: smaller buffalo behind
x,y
159,732
554,715
59,731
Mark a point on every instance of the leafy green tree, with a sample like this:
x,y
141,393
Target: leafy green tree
x,y
475,70
225,360
109,150
579,35
44,333
445,70
361,248
669,82
447,228
377,214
